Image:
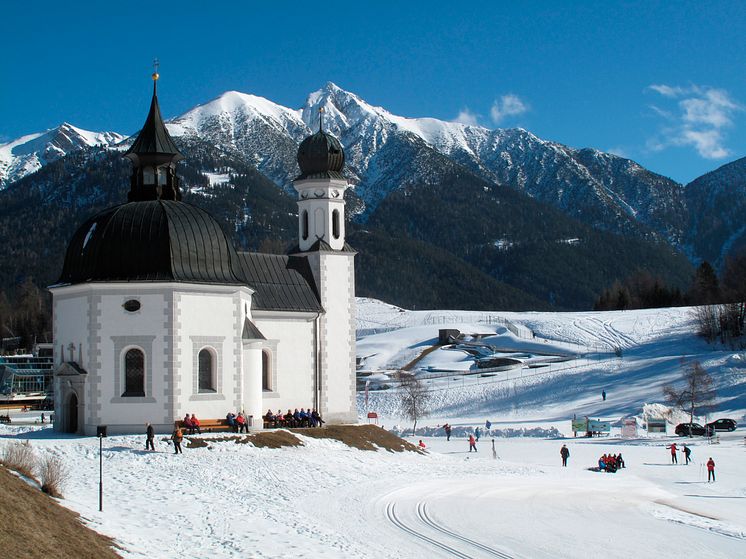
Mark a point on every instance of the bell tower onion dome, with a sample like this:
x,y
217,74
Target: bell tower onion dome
x,y
321,155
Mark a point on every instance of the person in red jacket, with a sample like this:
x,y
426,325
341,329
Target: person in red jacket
x,y
241,423
421,445
195,425
710,470
472,443
674,460
187,423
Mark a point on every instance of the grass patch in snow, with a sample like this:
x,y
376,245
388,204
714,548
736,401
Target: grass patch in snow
x,y
34,525
363,437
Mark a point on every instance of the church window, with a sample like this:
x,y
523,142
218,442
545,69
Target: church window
x,y
148,175
162,175
266,371
335,224
134,373
304,224
206,370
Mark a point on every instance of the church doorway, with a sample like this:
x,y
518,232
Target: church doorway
x,y
71,414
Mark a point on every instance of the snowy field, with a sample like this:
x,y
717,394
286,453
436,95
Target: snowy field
x,y
327,500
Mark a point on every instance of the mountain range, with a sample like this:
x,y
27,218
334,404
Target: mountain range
x,y
503,202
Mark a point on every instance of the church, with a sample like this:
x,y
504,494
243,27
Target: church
x,y
156,315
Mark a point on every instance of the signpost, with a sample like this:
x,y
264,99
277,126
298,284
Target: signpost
x,y
101,432
629,428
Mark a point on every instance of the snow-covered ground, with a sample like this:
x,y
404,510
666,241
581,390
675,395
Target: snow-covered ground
x,y
327,500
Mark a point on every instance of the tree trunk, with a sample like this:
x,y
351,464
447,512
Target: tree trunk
x,y
414,429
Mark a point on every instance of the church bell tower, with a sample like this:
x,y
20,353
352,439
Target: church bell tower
x,y
321,240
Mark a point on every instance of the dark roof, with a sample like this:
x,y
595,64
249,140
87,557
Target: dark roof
x,y
321,156
321,246
153,137
155,240
282,283
250,331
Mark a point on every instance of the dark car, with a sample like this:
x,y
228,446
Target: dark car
x,y
687,429
721,425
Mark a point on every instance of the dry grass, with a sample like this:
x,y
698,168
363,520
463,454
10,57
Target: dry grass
x,y
52,475
363,437
36,527
20,457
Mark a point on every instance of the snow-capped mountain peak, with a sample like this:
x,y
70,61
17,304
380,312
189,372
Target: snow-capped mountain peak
x,y
29,153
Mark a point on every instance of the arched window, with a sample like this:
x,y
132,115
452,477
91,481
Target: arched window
x,y
206,368
134,373
266,371
335,224
304,224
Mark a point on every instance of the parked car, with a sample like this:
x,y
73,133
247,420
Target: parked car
x,y
687,429
721,425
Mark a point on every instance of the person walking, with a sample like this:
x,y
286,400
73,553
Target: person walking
x,y
603,395
565,453
177,436
472,443
477,433
687,454
149,437
674,460
448,429
710,470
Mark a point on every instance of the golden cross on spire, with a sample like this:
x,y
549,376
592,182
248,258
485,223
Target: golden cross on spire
x,y
156,64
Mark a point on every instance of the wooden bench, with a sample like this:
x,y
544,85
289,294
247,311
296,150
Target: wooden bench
x,y
209,426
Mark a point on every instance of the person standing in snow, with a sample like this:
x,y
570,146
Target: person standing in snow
x,y
565,453
603,395
149,437
477,432
687,454
472,443
674,460
177,436
710,470
447,428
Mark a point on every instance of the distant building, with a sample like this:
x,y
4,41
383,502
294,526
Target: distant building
x,y
156,315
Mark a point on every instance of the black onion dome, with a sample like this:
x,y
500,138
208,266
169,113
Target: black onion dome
x,y
155,240
321,156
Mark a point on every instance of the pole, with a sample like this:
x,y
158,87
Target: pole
x,y
100,473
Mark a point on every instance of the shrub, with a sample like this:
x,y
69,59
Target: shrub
x,y
20,458
52,475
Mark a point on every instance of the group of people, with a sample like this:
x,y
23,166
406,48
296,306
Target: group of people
x,y
191,424
293,419
610,462
239,423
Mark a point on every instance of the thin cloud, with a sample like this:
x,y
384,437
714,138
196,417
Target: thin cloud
x,y
699,119
506,106
465,116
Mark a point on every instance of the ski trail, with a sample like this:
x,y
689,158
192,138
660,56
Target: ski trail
x,y
425,517
394,519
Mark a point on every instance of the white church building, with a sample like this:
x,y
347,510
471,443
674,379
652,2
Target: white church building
x,y
156,315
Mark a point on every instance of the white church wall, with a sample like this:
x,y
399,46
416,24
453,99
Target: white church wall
x,y
211,321
290,341
337,280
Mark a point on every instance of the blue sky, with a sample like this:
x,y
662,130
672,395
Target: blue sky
x,y
663,83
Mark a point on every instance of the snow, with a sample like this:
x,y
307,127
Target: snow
x,y
327,500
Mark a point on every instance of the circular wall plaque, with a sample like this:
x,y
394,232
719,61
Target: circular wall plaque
x,y
132,305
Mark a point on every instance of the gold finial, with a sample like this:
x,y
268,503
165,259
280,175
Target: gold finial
x,y
321,119
156,75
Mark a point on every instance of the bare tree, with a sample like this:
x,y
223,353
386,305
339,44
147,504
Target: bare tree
x,y
413,398
694,393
